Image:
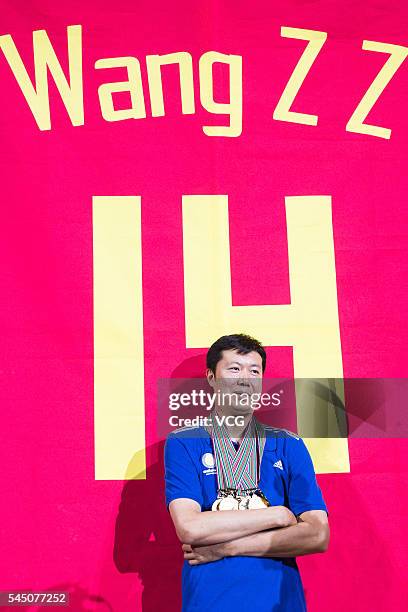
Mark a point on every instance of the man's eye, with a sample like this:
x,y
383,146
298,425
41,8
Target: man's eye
x,y
233,368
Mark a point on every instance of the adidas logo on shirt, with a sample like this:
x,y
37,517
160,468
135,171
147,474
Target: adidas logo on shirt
x,y
278,464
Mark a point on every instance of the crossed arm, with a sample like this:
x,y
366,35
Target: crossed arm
x,y
269,532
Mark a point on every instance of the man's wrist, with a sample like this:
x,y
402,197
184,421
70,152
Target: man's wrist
x,y
228,549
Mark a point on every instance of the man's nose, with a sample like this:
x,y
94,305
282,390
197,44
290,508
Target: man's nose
x,y
243,379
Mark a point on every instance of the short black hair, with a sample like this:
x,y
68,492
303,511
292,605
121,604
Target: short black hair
x,y
242,343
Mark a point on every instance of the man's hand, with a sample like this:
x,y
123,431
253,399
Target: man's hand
x,y
196,555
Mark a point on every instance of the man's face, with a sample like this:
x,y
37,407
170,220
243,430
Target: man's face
x,y
237,377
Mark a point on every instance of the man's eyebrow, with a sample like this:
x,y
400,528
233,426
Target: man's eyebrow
x,y
252,365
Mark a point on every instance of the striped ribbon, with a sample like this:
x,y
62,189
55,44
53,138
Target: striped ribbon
x,y
238,469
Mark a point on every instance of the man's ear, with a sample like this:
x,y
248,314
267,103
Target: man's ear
x,y
210,377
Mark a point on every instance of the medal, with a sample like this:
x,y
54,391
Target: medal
x,y
258,501
215,505
244,503
255,500
226,500
238,471
228,503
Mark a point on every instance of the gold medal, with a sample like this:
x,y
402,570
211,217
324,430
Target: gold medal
x,y
228,503
258,501
214,507
243,503
226,500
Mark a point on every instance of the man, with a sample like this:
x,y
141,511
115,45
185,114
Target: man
x,y
242,560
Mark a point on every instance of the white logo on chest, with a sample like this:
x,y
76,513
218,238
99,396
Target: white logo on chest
x,y
208,460
278,464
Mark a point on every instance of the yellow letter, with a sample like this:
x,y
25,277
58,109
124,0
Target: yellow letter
x,y
310,323
317,40
234,107
185,62
118,339
44,55
398,55
133,85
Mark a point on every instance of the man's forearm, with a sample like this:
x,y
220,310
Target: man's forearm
x,y
206,528
300,539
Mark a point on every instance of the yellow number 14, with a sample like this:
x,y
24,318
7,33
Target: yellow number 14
x,y
309,324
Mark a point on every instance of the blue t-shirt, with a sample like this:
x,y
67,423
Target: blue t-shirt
x,y
287,478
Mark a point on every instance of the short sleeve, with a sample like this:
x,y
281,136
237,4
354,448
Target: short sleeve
x,y
180,472
303,491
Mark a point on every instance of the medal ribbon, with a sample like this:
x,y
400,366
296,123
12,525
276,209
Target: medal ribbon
x,y
238,469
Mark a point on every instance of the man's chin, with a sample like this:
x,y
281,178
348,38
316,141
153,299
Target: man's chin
x,y
241,410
